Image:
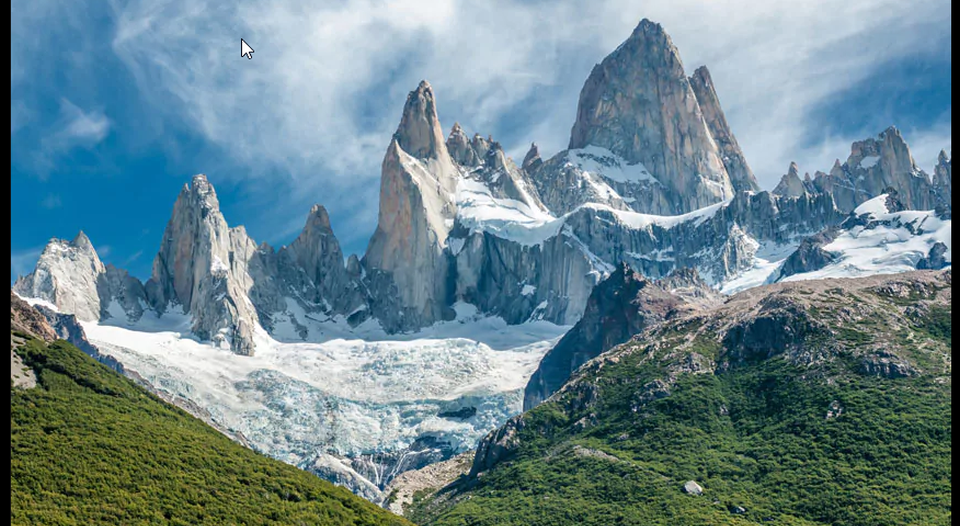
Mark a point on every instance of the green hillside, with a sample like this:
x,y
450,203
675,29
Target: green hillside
x,y
813,404
88,446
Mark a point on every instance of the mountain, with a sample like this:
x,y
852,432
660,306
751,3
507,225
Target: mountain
x,y
406,355
640,106
90,446
619,307
654,178
812,402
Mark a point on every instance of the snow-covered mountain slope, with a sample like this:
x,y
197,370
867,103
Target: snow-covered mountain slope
x,y
357,408
872,240
879,241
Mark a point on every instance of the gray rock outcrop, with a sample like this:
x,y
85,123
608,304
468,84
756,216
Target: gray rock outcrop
x,y
619,307
790,184
202,267
66,275
417,209
741,176
639,104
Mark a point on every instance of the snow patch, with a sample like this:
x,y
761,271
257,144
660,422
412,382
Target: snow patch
x,y
603,162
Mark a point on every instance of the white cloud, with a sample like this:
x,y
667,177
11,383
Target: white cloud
x,y
75,128
324,90
51,201
23,261
82,127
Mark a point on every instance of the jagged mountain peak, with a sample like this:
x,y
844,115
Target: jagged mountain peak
x,y
649,27
532,161
639,104
82,242
318,216
419,133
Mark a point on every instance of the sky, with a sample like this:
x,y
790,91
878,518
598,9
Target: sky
x,y
116,104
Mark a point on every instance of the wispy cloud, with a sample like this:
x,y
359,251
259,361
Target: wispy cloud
x,y
19,115
79,127
51,201
314,110
130,259
75,128
23,261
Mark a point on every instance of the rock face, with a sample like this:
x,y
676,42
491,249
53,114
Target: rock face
x,y
810,255
639,104
202,267
649,179
941,178
66,275
619,307
875,164
317,251
741,176
417,209
790,184
25,318
497,445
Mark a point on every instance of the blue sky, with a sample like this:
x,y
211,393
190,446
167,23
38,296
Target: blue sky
x,y
115,105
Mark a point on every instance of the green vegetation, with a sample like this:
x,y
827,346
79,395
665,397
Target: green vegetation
x,y
88,446
774,441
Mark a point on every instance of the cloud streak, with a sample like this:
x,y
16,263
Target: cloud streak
x,y
310,117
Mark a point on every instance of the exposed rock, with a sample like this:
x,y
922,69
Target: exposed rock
x,y
317,251
941,178
25,318
935,259
874,165
581,451
460,148
21,376
791,185
116,285
399,493
202,266
417,210
810,255
532,161
741,176
66,275
639,104
686,283
619,307
888,365
691,487
498,445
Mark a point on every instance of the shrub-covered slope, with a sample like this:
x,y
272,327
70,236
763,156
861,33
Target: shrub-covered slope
x,y
807,403
88,446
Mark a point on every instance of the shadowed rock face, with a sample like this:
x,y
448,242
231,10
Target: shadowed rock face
x,y
619,307
741,176
25,318
639,104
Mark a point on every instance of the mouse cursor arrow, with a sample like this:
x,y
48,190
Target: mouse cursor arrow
x,y
245,50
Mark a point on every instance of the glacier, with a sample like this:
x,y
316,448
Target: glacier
x,y
356,406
